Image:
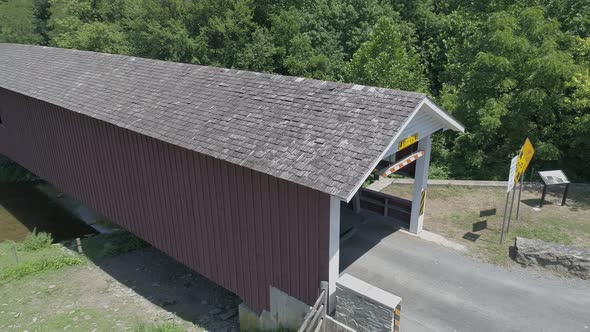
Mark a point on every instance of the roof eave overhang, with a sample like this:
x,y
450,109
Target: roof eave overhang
x,y
452,123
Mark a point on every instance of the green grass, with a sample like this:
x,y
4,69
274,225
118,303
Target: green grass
x,y
31,267
544,232
452,212
71,304
40,294
450,192
86,319
66,299
166,327
488,247
37,255
18,261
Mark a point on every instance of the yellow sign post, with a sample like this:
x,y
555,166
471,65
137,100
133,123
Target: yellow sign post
x,y
518,165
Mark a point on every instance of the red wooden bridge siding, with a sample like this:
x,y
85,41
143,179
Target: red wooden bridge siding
x,y
242,229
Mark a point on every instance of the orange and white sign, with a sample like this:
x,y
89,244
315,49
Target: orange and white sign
x,y
402,163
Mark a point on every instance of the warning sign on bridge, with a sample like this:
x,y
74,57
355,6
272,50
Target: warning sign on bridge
x,y
407,141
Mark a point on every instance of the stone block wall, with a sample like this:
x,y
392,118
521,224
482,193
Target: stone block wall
x,y
366,308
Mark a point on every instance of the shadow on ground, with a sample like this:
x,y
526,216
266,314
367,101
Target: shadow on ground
x,y
369,229
578,197
175,288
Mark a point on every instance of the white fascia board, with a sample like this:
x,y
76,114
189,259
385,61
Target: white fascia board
x,y
387,149
454,124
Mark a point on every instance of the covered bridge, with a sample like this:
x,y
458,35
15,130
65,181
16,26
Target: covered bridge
x,y
236,174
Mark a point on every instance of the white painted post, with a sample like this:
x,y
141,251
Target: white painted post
x,y
334,266
356,202
420,184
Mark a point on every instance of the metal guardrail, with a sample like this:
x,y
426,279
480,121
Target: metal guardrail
x,y
314,319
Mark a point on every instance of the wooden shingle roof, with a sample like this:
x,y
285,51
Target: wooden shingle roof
x,y
319,134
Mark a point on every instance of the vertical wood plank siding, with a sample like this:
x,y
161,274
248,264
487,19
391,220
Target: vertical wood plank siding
x,y
242,229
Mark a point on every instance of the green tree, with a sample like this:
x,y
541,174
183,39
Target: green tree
x,y
95,36
513,80
259,54
387,60
227,34
296,52
84,25
305,60
18,23
574,129
161,30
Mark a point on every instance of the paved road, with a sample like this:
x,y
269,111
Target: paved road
x,y
443,290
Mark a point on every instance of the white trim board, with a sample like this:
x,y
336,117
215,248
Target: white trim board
x,y
450,123
334,251
430,119
456,125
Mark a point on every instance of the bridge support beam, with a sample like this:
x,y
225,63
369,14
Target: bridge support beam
x,y
420,184
334,251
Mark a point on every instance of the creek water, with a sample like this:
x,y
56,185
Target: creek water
x,y
23,207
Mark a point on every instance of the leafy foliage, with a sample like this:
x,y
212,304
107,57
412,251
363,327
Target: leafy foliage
x,y
506,69
387,60
36,241
18,23
513,84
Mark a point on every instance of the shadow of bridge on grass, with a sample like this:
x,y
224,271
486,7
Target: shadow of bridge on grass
x,y
173,287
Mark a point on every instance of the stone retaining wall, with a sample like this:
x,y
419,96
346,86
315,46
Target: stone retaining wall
x,y
553,256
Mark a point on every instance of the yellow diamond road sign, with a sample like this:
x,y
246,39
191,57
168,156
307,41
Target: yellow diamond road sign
x,y
524,158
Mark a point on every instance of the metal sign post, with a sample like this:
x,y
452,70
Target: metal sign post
x,y
510,213
518,166
504,221
519,195
511,176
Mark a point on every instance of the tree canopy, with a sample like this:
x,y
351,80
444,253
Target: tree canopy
x,y
506,69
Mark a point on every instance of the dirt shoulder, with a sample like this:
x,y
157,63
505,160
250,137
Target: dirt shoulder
x,y
117,294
